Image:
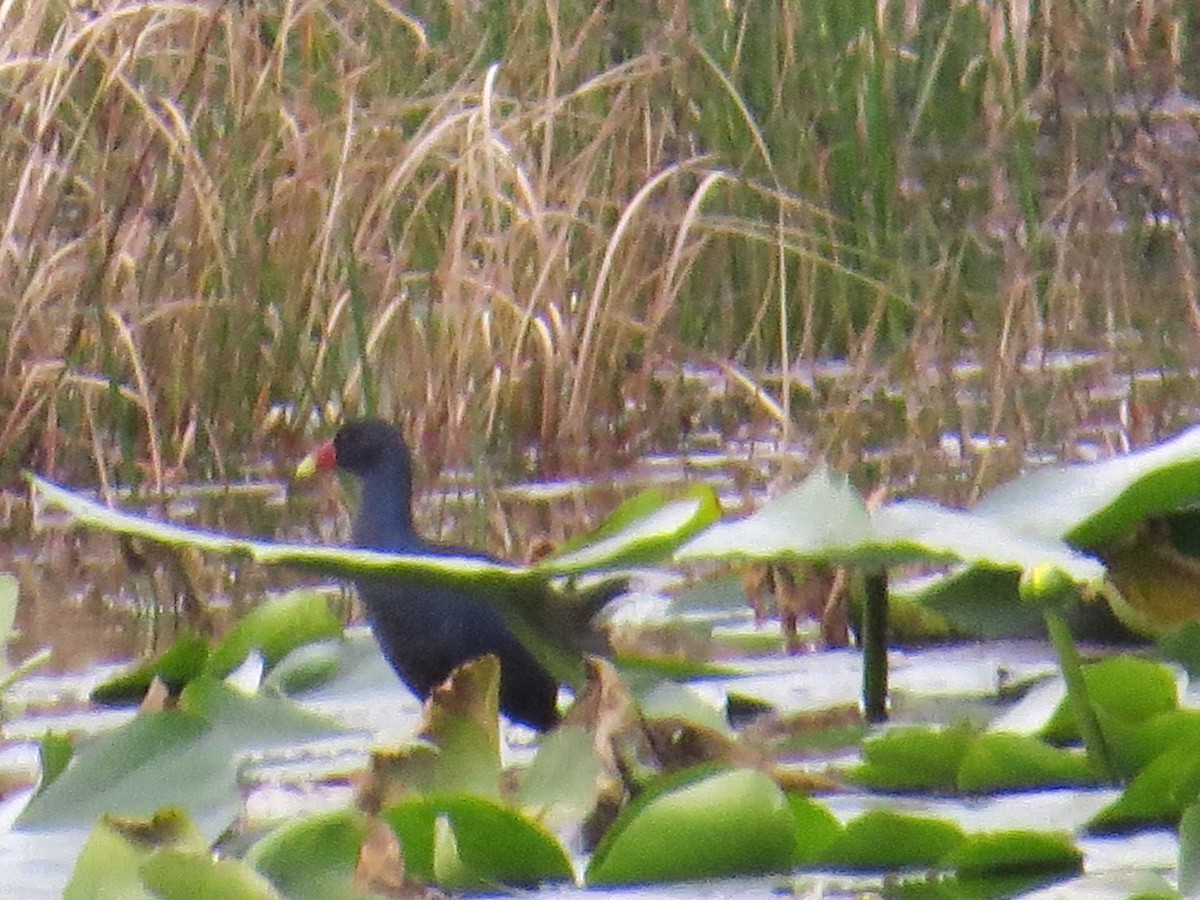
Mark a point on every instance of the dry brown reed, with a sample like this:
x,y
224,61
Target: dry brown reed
x,y
511,225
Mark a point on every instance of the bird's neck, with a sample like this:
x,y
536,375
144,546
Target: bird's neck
x,y
384,518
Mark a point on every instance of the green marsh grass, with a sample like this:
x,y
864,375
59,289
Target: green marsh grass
x,y
511,225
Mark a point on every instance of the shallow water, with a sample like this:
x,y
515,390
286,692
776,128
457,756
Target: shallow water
x,y
96,607
311,776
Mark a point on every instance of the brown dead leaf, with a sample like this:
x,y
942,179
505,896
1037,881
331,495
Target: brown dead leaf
x,y
380,867
157,697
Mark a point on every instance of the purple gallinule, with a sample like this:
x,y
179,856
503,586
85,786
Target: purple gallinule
x,y
425,630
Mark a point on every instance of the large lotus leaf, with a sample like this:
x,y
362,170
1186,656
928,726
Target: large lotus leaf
x,y
641,531
732,823
180,758
157,760
276,627
885,840
971,536
312,857
823,518
551,624
494,844
1091,504
464,570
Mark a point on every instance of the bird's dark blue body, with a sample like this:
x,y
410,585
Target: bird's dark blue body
x,y
427,630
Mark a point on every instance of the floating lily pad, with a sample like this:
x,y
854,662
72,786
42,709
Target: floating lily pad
x,y
564,771
182,875
1189,851
1014,852
1157,796
1125,687
312,857
885,840
816,828
1005,762
54,753
915,758
183,758
731,823
275,627
493,843
175,667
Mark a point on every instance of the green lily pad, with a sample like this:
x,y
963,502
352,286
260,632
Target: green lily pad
x,y
642,530
915,758
1134,745
1189,851
549,621
184,875
1091,504
313,857
120,853
997,761
156,760
276,627
826,520
175,667
108,867
306,668
823,518
1125,687
816,828
465,726
564,771
978,600
494,844
1183,646
465,570
183,758
1014,852
734,822
1157,796
885,840
54,753
253,721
